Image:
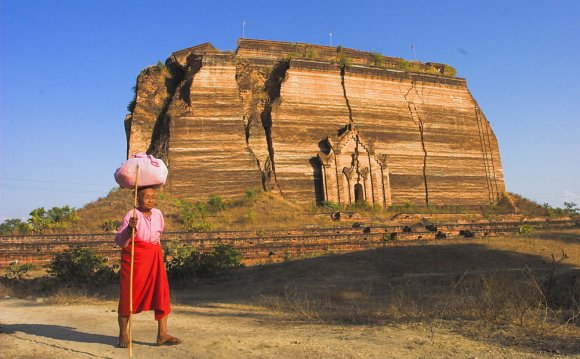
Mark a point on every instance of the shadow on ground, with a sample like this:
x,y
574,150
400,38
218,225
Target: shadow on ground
x,y
58,332
352,271
421,274
429,277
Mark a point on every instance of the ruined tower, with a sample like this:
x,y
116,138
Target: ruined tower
x,y
314,123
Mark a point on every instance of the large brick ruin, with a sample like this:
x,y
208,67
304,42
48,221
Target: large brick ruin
x,y
314,123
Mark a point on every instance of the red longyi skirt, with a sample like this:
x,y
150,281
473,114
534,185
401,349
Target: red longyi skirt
x,y
150,285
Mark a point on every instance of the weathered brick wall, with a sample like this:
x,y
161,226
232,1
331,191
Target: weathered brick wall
x,y
231,122
265,246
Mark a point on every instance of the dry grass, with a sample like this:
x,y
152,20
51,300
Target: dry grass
x,y
263,211
112,208
56,292
492,289
267,210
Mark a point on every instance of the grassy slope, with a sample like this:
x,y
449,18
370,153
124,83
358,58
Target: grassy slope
x,y
116,204
265,211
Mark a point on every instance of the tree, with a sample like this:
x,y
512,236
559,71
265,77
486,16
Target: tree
x,y
62,214
56,217
39,219
14,226
571,208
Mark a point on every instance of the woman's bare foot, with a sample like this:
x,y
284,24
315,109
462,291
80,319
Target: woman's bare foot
x,y
123,341
168,340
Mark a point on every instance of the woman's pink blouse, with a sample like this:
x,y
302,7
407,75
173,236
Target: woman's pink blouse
x,y
148,229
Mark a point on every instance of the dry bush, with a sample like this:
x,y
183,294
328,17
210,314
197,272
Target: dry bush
x,y
505,299
498,297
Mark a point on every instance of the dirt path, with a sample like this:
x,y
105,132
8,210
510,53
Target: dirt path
x,y
29,329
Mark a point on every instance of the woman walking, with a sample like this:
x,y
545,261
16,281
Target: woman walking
x,y
150,285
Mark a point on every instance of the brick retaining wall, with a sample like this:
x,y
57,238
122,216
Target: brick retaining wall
x,y
258,246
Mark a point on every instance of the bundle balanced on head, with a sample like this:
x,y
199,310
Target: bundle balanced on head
x,y
143,278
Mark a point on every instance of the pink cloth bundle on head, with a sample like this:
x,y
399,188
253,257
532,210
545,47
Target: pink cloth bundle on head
x,y
152,171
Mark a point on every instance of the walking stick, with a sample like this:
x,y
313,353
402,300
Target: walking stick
x,y
131,272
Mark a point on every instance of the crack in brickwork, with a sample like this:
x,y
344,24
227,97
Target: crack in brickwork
x,y
252,91
342,72
178,84
419,122
273,86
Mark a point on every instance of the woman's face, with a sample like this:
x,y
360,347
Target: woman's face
x,y
147,199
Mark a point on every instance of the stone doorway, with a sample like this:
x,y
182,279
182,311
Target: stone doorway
x,y
359,194
351,171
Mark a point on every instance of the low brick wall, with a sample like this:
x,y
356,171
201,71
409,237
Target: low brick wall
x,y
261,246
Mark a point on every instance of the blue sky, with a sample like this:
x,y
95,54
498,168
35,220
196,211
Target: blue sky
x,y
67,68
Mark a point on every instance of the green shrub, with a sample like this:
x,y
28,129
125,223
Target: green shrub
x,y
416,66
377,59
330,205
192,216
253,193
250,216
226,256
292,55
363,206
110,225
62,214
449,71
38,220
133,102
432,70
17,271
310,53
215,203
159,66
14,226
553,211
81,267
219,261
188,263
55,218
390,236
266,71
404,65
131,105
525,229
406,206
200,226
183,261
344,60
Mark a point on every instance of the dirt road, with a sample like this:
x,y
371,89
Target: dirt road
x,y
39,330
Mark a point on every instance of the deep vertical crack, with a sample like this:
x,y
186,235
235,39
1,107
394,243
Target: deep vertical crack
x,y
484,155
272,87
487,130
251,88
180,79
413,110
342,72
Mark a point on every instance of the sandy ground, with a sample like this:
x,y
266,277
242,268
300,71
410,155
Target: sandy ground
x,y
226,319
38,330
